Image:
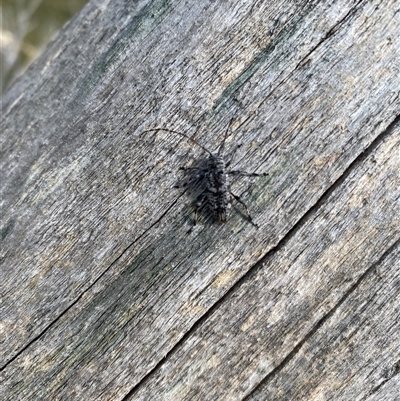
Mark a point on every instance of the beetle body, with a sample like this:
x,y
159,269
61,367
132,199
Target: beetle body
x,y
217,194
218,188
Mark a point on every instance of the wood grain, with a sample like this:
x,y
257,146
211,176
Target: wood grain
x,y
104,293
318,318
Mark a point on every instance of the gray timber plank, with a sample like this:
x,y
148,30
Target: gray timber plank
x,y
355,354
100,280
313,322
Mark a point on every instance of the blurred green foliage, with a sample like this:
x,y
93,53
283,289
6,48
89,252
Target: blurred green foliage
x,y
26,28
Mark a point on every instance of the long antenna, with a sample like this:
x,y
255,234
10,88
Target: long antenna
x,y
221,147
178,133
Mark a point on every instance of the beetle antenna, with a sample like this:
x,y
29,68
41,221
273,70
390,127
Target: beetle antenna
x,y
178,133
221,147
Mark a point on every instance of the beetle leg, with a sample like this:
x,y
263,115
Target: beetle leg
x,y
239,200
245,173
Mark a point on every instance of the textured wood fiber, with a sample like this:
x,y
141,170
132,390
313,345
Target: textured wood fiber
x,y
105,296
331,295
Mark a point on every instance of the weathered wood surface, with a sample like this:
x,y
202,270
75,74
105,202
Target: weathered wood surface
x,y
104,294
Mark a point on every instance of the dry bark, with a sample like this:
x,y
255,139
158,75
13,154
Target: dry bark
x,y
105,294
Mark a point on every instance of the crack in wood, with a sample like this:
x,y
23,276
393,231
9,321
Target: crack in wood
x,y
76,301
259,265
392,372
324,319
330,33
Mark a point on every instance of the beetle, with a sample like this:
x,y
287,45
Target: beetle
x,y
217,193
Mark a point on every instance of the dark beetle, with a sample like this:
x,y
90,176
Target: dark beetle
x,y
217,194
